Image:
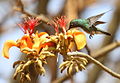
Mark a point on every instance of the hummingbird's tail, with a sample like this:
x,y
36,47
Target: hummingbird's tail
x,y
106,33
103,32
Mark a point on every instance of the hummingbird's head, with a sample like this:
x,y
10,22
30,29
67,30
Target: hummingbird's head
x,y
73,23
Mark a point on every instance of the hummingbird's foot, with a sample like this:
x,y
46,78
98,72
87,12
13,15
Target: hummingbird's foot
x,y
90,36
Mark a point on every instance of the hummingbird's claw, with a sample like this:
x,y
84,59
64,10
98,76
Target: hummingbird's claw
x,y
90,36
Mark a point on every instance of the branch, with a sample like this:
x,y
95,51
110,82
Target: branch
x,y
95,62
20,8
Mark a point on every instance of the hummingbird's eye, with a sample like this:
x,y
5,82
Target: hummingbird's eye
x,y
71,24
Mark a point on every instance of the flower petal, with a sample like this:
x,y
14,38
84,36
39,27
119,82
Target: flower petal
x,y
80,39
42,34
7,45
72,46
27,41
39,40
49,44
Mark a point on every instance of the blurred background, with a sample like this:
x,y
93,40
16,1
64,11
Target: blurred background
x,y
9,30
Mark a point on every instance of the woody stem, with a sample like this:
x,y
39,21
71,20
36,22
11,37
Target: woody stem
x,y
95,62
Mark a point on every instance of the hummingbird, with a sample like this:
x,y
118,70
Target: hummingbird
x,y
89,25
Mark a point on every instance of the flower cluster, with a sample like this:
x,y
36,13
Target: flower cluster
x,y
39,46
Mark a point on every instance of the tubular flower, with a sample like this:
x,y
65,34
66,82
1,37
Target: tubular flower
x,y
35,45
73,37
30,43
67,41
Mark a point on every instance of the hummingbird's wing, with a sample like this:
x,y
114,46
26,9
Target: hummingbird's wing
x,y
99,22
93,19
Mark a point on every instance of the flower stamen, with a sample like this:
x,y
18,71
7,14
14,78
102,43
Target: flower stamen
x,y
58,23
28,25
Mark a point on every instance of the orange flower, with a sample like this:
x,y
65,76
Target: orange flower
x,y
27,44
79,39
30,43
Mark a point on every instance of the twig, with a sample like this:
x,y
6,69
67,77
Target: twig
x,y
41,16
20,8
95,62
